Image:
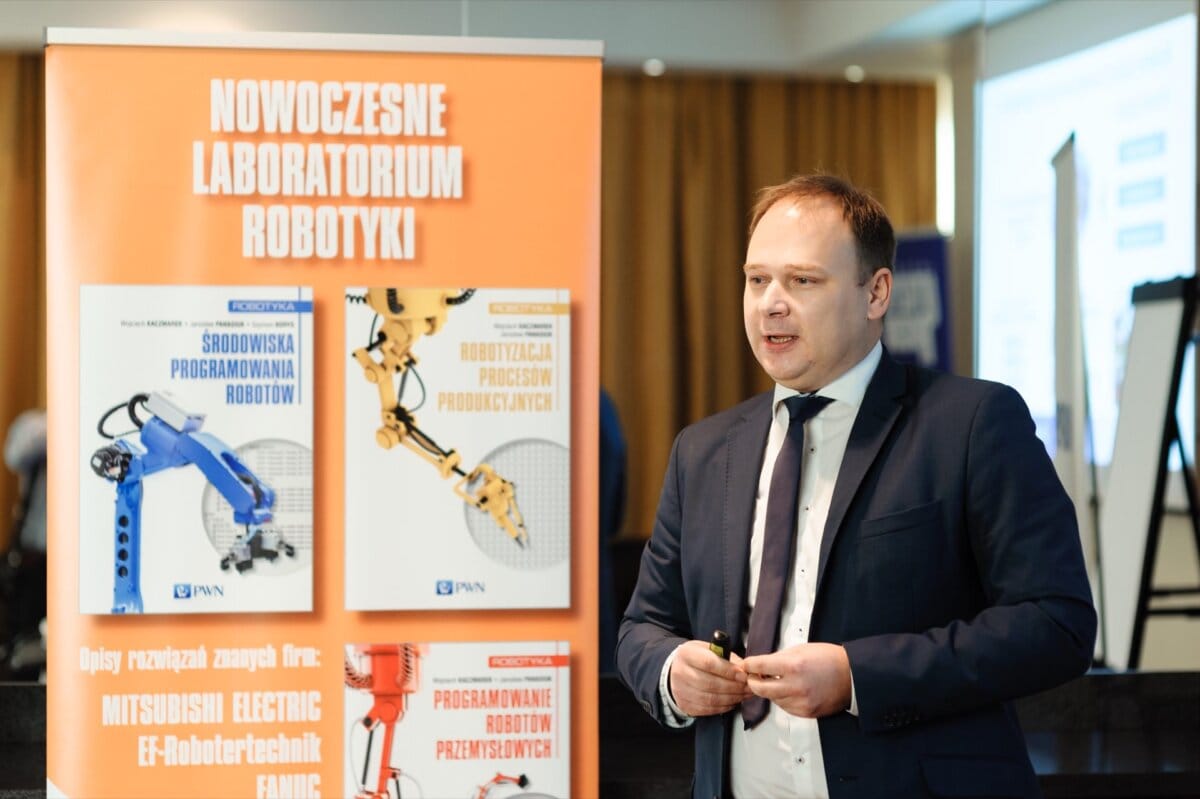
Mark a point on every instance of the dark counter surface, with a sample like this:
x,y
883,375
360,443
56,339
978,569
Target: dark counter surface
x,y
22,740
1104,735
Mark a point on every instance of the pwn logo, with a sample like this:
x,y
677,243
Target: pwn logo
x,y
447,587
195,590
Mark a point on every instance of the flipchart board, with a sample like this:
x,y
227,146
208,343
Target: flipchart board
x,y
1133,502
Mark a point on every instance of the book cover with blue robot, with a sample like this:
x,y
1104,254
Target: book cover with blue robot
x,y
195,420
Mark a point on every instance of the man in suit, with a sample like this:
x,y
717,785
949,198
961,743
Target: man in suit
x,y
931,572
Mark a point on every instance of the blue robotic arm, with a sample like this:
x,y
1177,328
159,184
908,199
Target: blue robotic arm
x,y
170,438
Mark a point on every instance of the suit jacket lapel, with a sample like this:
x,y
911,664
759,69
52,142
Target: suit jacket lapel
x,y
880,408
746,442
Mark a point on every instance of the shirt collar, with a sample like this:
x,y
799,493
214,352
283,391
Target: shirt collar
x,y
849,388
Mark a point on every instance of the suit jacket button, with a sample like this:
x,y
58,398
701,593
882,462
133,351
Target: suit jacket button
x,y
647,706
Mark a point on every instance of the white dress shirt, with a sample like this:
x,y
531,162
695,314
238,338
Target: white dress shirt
x,y
781,757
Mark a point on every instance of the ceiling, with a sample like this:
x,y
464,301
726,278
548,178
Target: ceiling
x,y
890,38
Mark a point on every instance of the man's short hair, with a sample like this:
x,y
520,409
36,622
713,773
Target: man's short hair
x,y
868,222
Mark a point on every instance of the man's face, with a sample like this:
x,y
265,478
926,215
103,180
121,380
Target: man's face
x,y
807,317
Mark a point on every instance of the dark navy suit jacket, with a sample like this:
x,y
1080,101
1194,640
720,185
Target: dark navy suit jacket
x,y
950,570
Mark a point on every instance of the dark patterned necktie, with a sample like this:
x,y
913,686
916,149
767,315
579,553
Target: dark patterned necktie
x,y
779,542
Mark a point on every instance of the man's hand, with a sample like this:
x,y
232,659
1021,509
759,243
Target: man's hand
x,y
808,680
703,684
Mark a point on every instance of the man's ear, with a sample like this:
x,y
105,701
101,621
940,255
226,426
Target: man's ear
x,y
879,296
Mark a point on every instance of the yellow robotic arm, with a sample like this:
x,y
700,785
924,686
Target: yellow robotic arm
x,y
408,314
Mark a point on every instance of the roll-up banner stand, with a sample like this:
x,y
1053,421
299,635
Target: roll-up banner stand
x,y
324,374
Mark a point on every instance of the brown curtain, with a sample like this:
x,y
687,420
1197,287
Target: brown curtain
x,y
23,300
682,158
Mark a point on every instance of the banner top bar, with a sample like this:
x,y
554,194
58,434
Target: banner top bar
x,y
472,45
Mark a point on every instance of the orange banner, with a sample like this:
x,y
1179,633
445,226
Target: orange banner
x,y
210,208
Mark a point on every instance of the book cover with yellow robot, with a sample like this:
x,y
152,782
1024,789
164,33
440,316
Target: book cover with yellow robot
x,y
457,448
